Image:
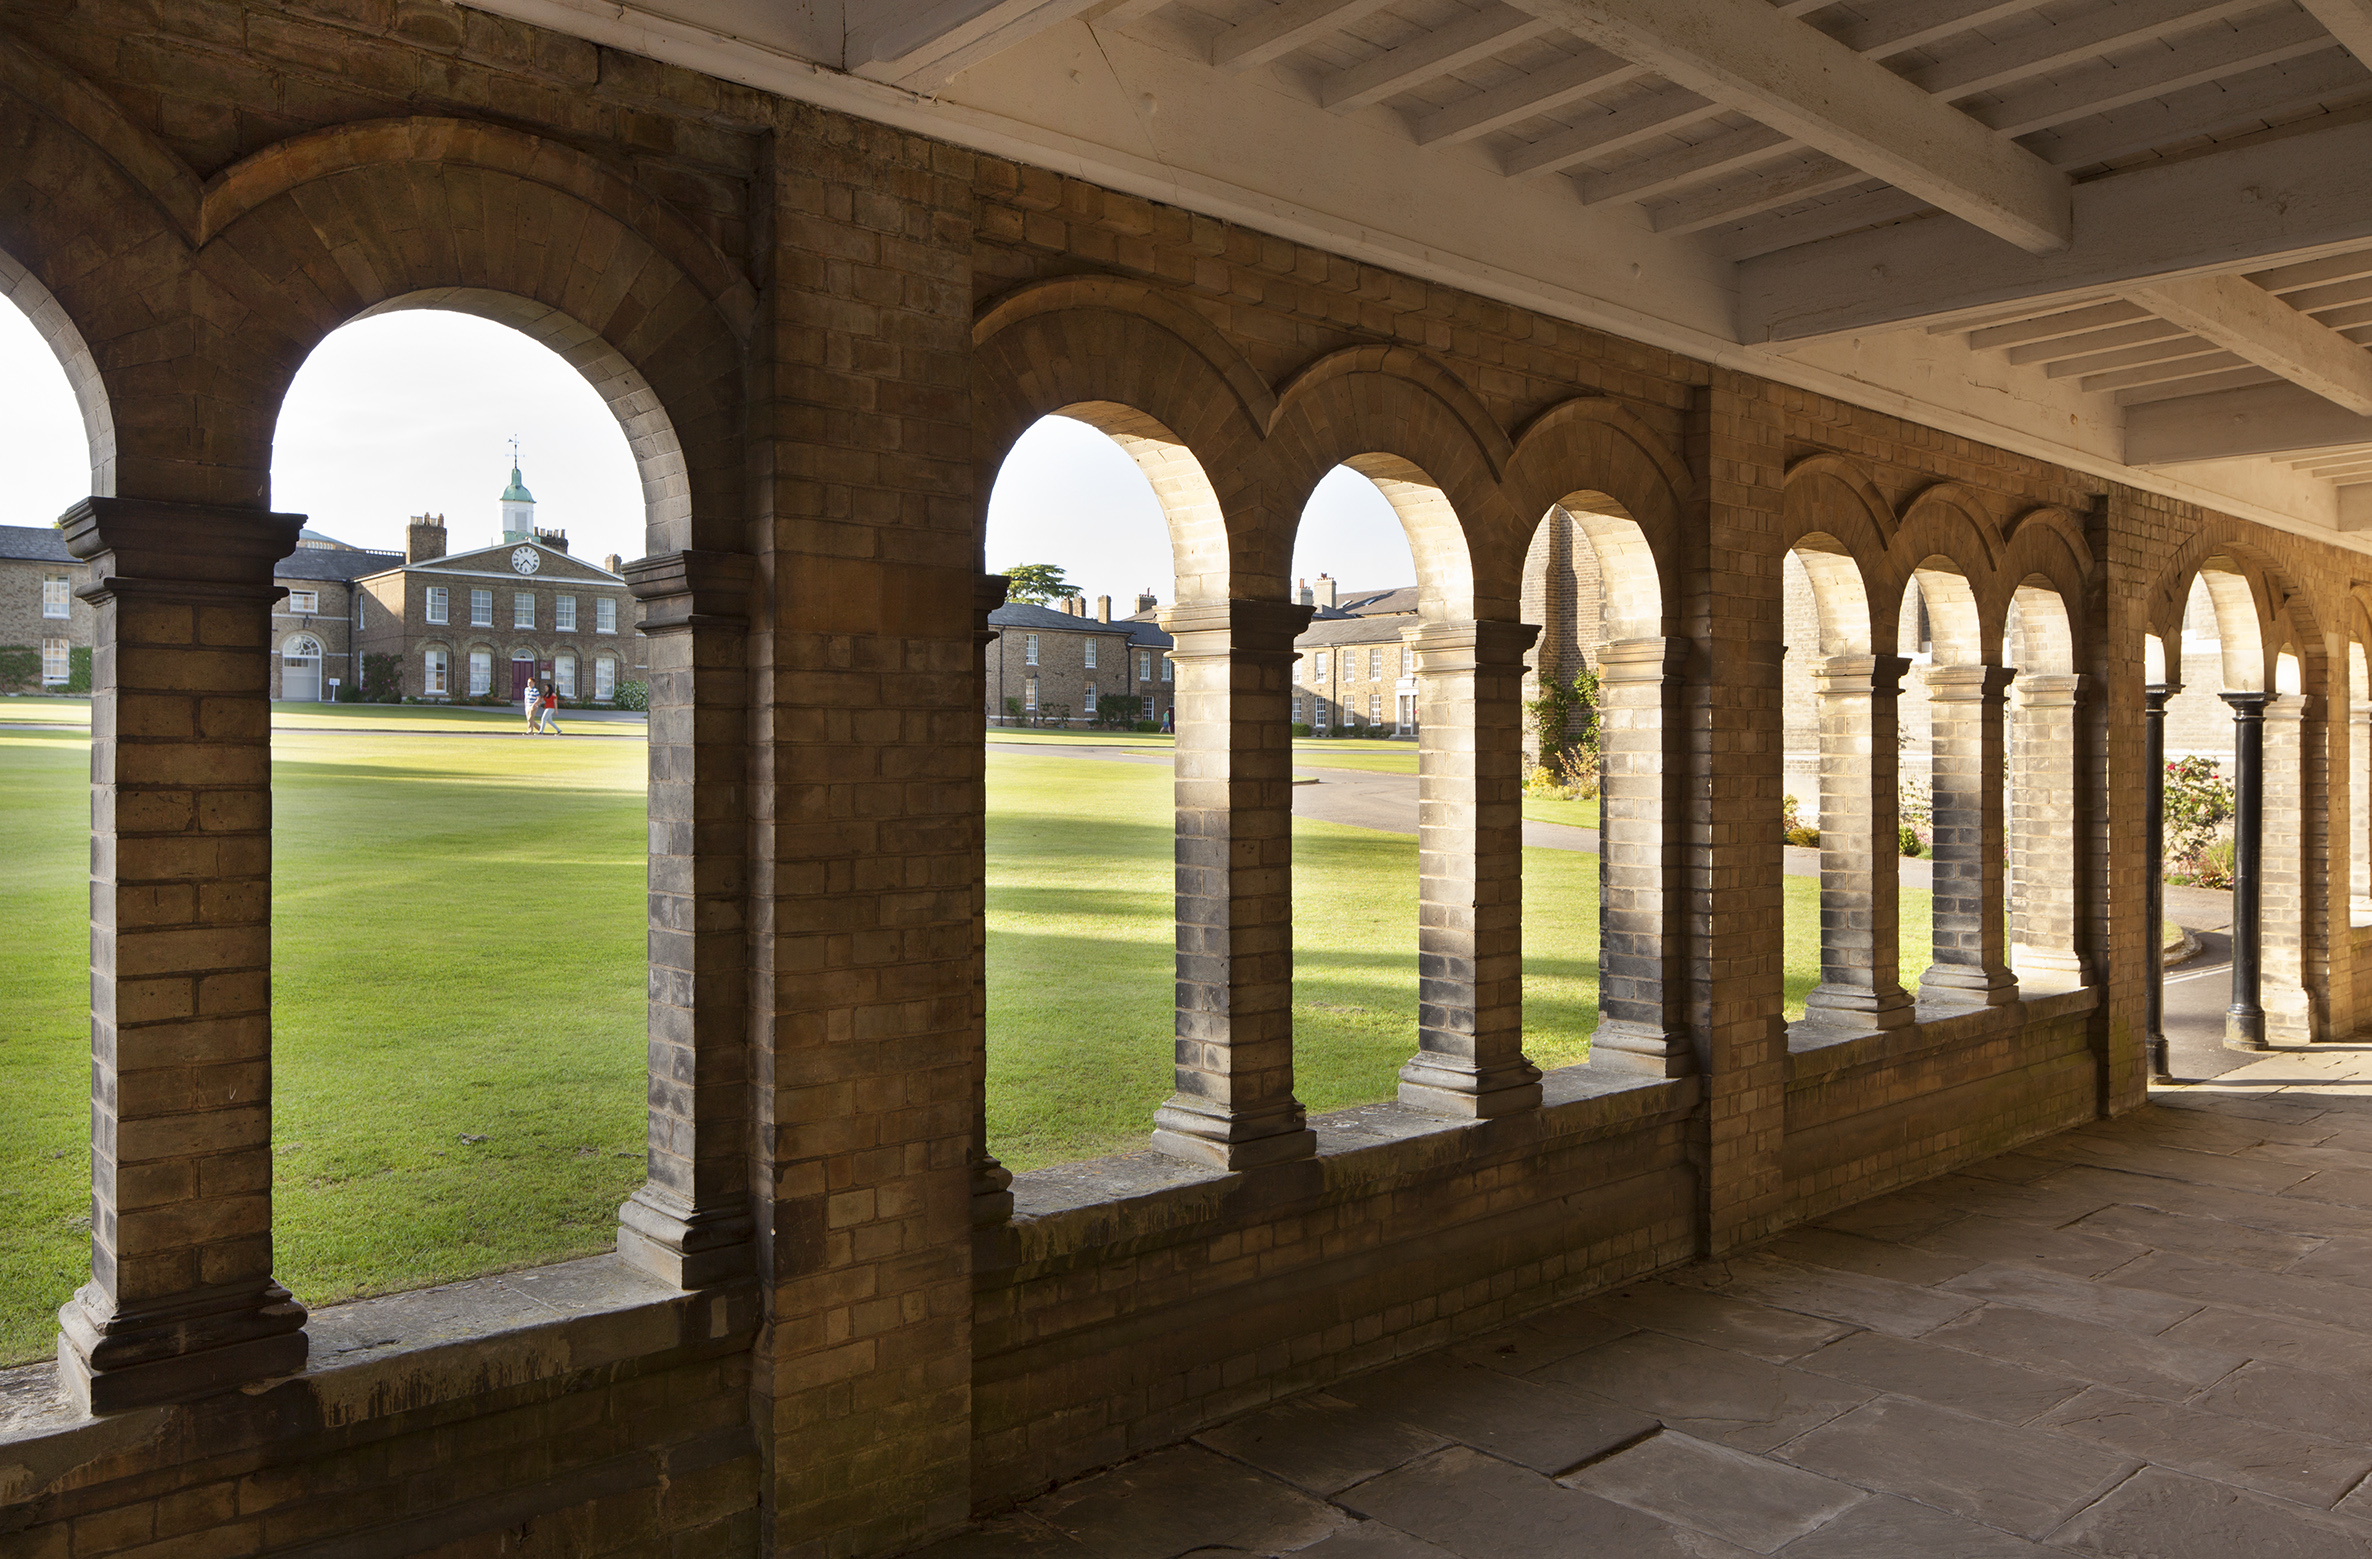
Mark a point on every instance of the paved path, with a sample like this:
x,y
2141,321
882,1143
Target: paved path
x,y
2144,1338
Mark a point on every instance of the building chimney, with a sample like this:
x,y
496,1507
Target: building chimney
x,y
1308,597
1103,608
557,540
1326,591
426,539
1147,600
614,563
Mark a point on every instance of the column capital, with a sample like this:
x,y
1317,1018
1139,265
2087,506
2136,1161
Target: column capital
x,y
1470,645
1205,628
2054,690
1860,673
1967,683
2154,697
988,593
1642,660
693,589
2290,708
2246,706
180,544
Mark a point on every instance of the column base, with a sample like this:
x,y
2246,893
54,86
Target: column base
x,y
2161,1060
2244,1031
1641,1047
684,1247
1844,1010
1957,985
112,1362
1190,1129
1440,1087
992,1194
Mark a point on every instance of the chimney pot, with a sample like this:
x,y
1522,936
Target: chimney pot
x,y
1103,608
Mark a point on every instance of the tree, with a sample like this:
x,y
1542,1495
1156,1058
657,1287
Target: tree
x,y
1039,582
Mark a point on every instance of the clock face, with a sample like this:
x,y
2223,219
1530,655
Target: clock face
x,y
525,560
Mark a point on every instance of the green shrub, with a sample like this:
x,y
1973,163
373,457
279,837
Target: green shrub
x,y
1912,844
1804,837
1301,728
78,671
2212,866
632,695
348,693
20,667
382,680
1143,726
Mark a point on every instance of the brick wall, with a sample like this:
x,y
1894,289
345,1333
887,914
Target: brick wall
x,y
22,625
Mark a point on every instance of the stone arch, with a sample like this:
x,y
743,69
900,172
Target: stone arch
x,y
1833,517
1411,367
1159,305
1611,471
2045,627
1947,531
306,236
1165,402
1366,411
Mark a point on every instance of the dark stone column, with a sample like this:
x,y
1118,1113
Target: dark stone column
x,y
181,1302
1860,990
1234,1106
1640,946
1970,968
992,1182
1470,841
690,1224
2244,1020
2153,823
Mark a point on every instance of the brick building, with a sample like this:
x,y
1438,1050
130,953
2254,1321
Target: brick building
x,y
313,624
1062,665
1355,672
822,265
43,622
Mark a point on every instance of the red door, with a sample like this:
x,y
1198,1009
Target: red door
x,y
522,673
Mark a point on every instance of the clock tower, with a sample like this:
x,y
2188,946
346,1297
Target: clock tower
x,y
518,504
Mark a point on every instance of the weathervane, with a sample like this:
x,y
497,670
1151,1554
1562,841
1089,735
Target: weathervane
x,y
514,451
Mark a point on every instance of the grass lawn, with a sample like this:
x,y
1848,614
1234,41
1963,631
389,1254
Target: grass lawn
x,y
1573,814
458,952
357,717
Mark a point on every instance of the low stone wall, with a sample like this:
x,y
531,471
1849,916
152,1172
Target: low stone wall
x,y
1134,1300
1866,1116
579,1409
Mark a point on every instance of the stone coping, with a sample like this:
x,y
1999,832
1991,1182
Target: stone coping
x,y
1814,1056
1069,1209
394,1354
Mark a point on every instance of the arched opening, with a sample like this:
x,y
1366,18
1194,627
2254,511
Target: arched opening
x,y
59,445
1592,575
460,1024
2359,782
1096,514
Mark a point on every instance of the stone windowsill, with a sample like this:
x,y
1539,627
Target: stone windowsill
x,y
1105,1202
1814,1056
401,1352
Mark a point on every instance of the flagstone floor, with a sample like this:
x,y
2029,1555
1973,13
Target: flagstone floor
x,y
2149,1337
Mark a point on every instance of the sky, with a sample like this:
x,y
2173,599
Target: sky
x,y
413,413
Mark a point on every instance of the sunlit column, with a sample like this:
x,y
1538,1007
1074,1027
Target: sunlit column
x,y
1967,708
1470,839
1860,988
1234,1106
181,1302
2044,791
1639,950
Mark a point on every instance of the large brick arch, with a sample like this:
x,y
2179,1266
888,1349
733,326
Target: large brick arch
x,y
2279,608
1131,362
1837,522
96,222
2044,549
1598,458
1954,522
312,234
1413,428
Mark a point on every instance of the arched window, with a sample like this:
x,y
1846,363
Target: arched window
x,y
300,668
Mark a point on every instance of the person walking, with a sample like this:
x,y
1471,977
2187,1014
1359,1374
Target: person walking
x,y
529,700
551,712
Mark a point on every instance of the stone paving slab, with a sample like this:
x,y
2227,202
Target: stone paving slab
x,y
2143,1339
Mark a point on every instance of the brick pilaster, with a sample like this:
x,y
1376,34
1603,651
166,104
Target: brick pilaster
x,y
1971,967
181,1302
1860,989
690,1223
992,1183
1234,1106
1639,962
2295,941
1470,842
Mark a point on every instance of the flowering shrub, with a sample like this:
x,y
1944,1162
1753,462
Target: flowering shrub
x,y
2198,820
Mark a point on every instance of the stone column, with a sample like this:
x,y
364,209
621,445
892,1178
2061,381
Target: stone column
x,y
181,1302
992,1182
2043,845
690,1223
1969,968
1470,839
2244,1020
2153,822
1860,990
2359,808
1234,1106
1640,947
2294,948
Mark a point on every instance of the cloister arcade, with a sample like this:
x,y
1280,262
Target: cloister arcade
x,y
834,1322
